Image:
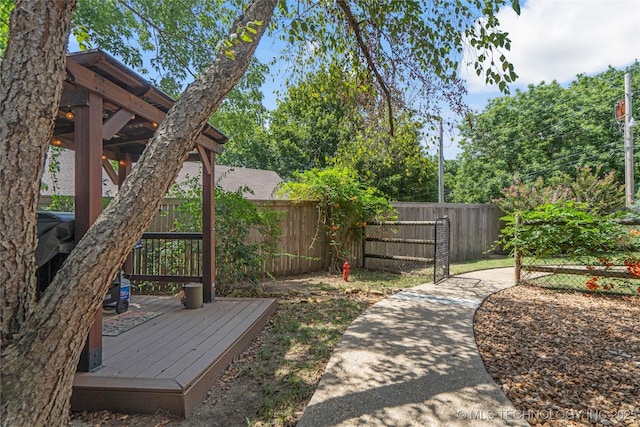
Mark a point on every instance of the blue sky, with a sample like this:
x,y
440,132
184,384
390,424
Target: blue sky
x,y
550,40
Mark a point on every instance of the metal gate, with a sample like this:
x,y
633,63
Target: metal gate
x,y
408,245
442,249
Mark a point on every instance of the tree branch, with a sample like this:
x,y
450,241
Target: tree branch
x,y
161,34
355,26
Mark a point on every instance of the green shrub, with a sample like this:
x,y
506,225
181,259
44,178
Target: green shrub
x,y
602,194
236,260
344,206
568,229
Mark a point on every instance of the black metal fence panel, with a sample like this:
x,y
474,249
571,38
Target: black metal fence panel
x,y
408,246
442,249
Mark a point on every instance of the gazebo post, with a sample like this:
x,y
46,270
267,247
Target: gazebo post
x,y
208,225
88,200
124,169
115,111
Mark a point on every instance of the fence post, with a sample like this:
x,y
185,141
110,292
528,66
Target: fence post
x,y
364,242
518,256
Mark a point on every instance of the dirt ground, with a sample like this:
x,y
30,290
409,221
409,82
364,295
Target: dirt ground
x,y
562,358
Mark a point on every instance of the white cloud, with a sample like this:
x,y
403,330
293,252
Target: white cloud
x,y
557,39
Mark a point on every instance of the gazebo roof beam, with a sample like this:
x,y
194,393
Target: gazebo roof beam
x,y
86,78
111,172
115,123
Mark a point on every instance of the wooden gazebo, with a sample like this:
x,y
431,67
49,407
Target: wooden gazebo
x,y
108,113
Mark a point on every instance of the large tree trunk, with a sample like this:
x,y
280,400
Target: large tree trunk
x,y
31,76
39,364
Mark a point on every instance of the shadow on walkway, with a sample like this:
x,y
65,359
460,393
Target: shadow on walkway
x,y
412,360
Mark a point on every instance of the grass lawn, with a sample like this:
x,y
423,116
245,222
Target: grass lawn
x,y
480,264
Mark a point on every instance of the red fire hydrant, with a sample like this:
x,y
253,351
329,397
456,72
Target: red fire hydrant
x,y
346,268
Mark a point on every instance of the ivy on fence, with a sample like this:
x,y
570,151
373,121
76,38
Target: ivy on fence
x,y
569,246
344,206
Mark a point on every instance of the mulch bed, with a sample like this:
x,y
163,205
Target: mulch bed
x,y
564,358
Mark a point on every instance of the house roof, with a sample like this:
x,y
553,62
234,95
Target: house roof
x,y
261,184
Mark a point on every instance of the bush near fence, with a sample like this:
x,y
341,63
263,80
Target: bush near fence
x,y
577,251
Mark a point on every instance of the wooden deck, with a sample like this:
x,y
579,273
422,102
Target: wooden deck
x,y
171,361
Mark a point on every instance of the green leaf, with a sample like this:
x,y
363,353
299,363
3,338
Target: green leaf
x,y
515,4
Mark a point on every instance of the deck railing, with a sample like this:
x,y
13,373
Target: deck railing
x,y
168,257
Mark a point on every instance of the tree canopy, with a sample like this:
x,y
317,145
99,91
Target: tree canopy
x,y
544,131
404,57
332,119
407,47
244,119
315,117
398,165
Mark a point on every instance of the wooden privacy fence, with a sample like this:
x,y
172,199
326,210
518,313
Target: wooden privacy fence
x,y
474,229
301,247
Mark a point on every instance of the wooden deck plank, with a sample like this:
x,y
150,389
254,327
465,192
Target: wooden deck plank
x,y
152,303
177,346
150,330
185,372
216,344
238,321
199,343
168,334
198,388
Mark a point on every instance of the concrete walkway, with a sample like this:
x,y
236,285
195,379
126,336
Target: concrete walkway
x,y
412,360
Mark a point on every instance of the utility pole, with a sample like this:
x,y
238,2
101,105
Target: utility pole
x,y
628,142
440,167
